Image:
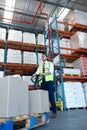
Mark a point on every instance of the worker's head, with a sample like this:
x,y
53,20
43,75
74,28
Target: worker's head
x,y
44,57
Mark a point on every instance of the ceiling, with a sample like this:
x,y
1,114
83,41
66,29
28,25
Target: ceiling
x,y
24,11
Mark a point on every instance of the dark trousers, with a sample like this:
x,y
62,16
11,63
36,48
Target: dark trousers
x,y
49,87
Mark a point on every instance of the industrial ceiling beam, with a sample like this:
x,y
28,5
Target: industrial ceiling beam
x,y
21,12
21,27
68,4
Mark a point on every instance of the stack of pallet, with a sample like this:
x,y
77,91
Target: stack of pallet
x,y
81,64
74,95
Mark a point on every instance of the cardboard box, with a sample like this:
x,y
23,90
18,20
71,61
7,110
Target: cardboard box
x,y
38,101
13,97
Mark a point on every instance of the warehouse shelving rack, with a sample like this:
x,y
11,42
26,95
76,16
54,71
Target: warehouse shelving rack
x,y
22,69
55,32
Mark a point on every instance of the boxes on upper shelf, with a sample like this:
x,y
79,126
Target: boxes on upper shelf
x,y
68,71
13,56
29,38
14,35
81,64
60,26
2,34
29,58
78,40
40,39
77,16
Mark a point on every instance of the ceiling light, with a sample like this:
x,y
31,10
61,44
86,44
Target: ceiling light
x,y
9,8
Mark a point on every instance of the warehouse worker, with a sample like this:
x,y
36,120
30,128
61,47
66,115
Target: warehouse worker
x,y
46,71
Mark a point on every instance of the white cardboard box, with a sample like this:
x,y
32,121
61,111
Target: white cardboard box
x,y
38,101
13,97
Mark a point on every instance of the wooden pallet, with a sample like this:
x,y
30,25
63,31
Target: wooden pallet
x,y
77,108
31,121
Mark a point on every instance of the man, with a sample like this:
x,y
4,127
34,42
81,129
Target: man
x,y
47,71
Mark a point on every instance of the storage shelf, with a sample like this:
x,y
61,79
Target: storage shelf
x,y
73,78
25,47
22,69
22,46
75,27
64,34
15,68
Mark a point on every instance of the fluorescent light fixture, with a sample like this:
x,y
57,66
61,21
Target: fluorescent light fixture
x,y
63,13
9,8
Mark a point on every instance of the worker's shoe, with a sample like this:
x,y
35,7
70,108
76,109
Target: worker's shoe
x,y
54,115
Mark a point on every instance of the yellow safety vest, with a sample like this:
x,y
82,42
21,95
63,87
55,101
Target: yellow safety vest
x,y
48,77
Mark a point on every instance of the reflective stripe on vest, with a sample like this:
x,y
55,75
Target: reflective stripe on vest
x,y
48,77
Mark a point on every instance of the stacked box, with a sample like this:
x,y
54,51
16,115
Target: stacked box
x,y
40,39
1,55
29,58
14,35
60,26
85,91
1,74
65,43
81,64
13,56
2,34
69,71
38,101
77,16
29,38
78,40
14,97
28,80
74,95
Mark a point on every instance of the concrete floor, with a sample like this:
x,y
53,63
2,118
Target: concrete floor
x,y
67,120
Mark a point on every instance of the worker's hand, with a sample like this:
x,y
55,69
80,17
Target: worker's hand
x,y
34,74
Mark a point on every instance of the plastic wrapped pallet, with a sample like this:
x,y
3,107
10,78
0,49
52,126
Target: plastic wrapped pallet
x,y
40,39
74,95
78,40
38,101
78,17
14,97
85,91
2,34
81,64
14,35
68,71
29,38
14,56
29,58
65,43
1,55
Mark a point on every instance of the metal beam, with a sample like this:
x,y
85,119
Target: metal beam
x,y
53,4
21,27
21,12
